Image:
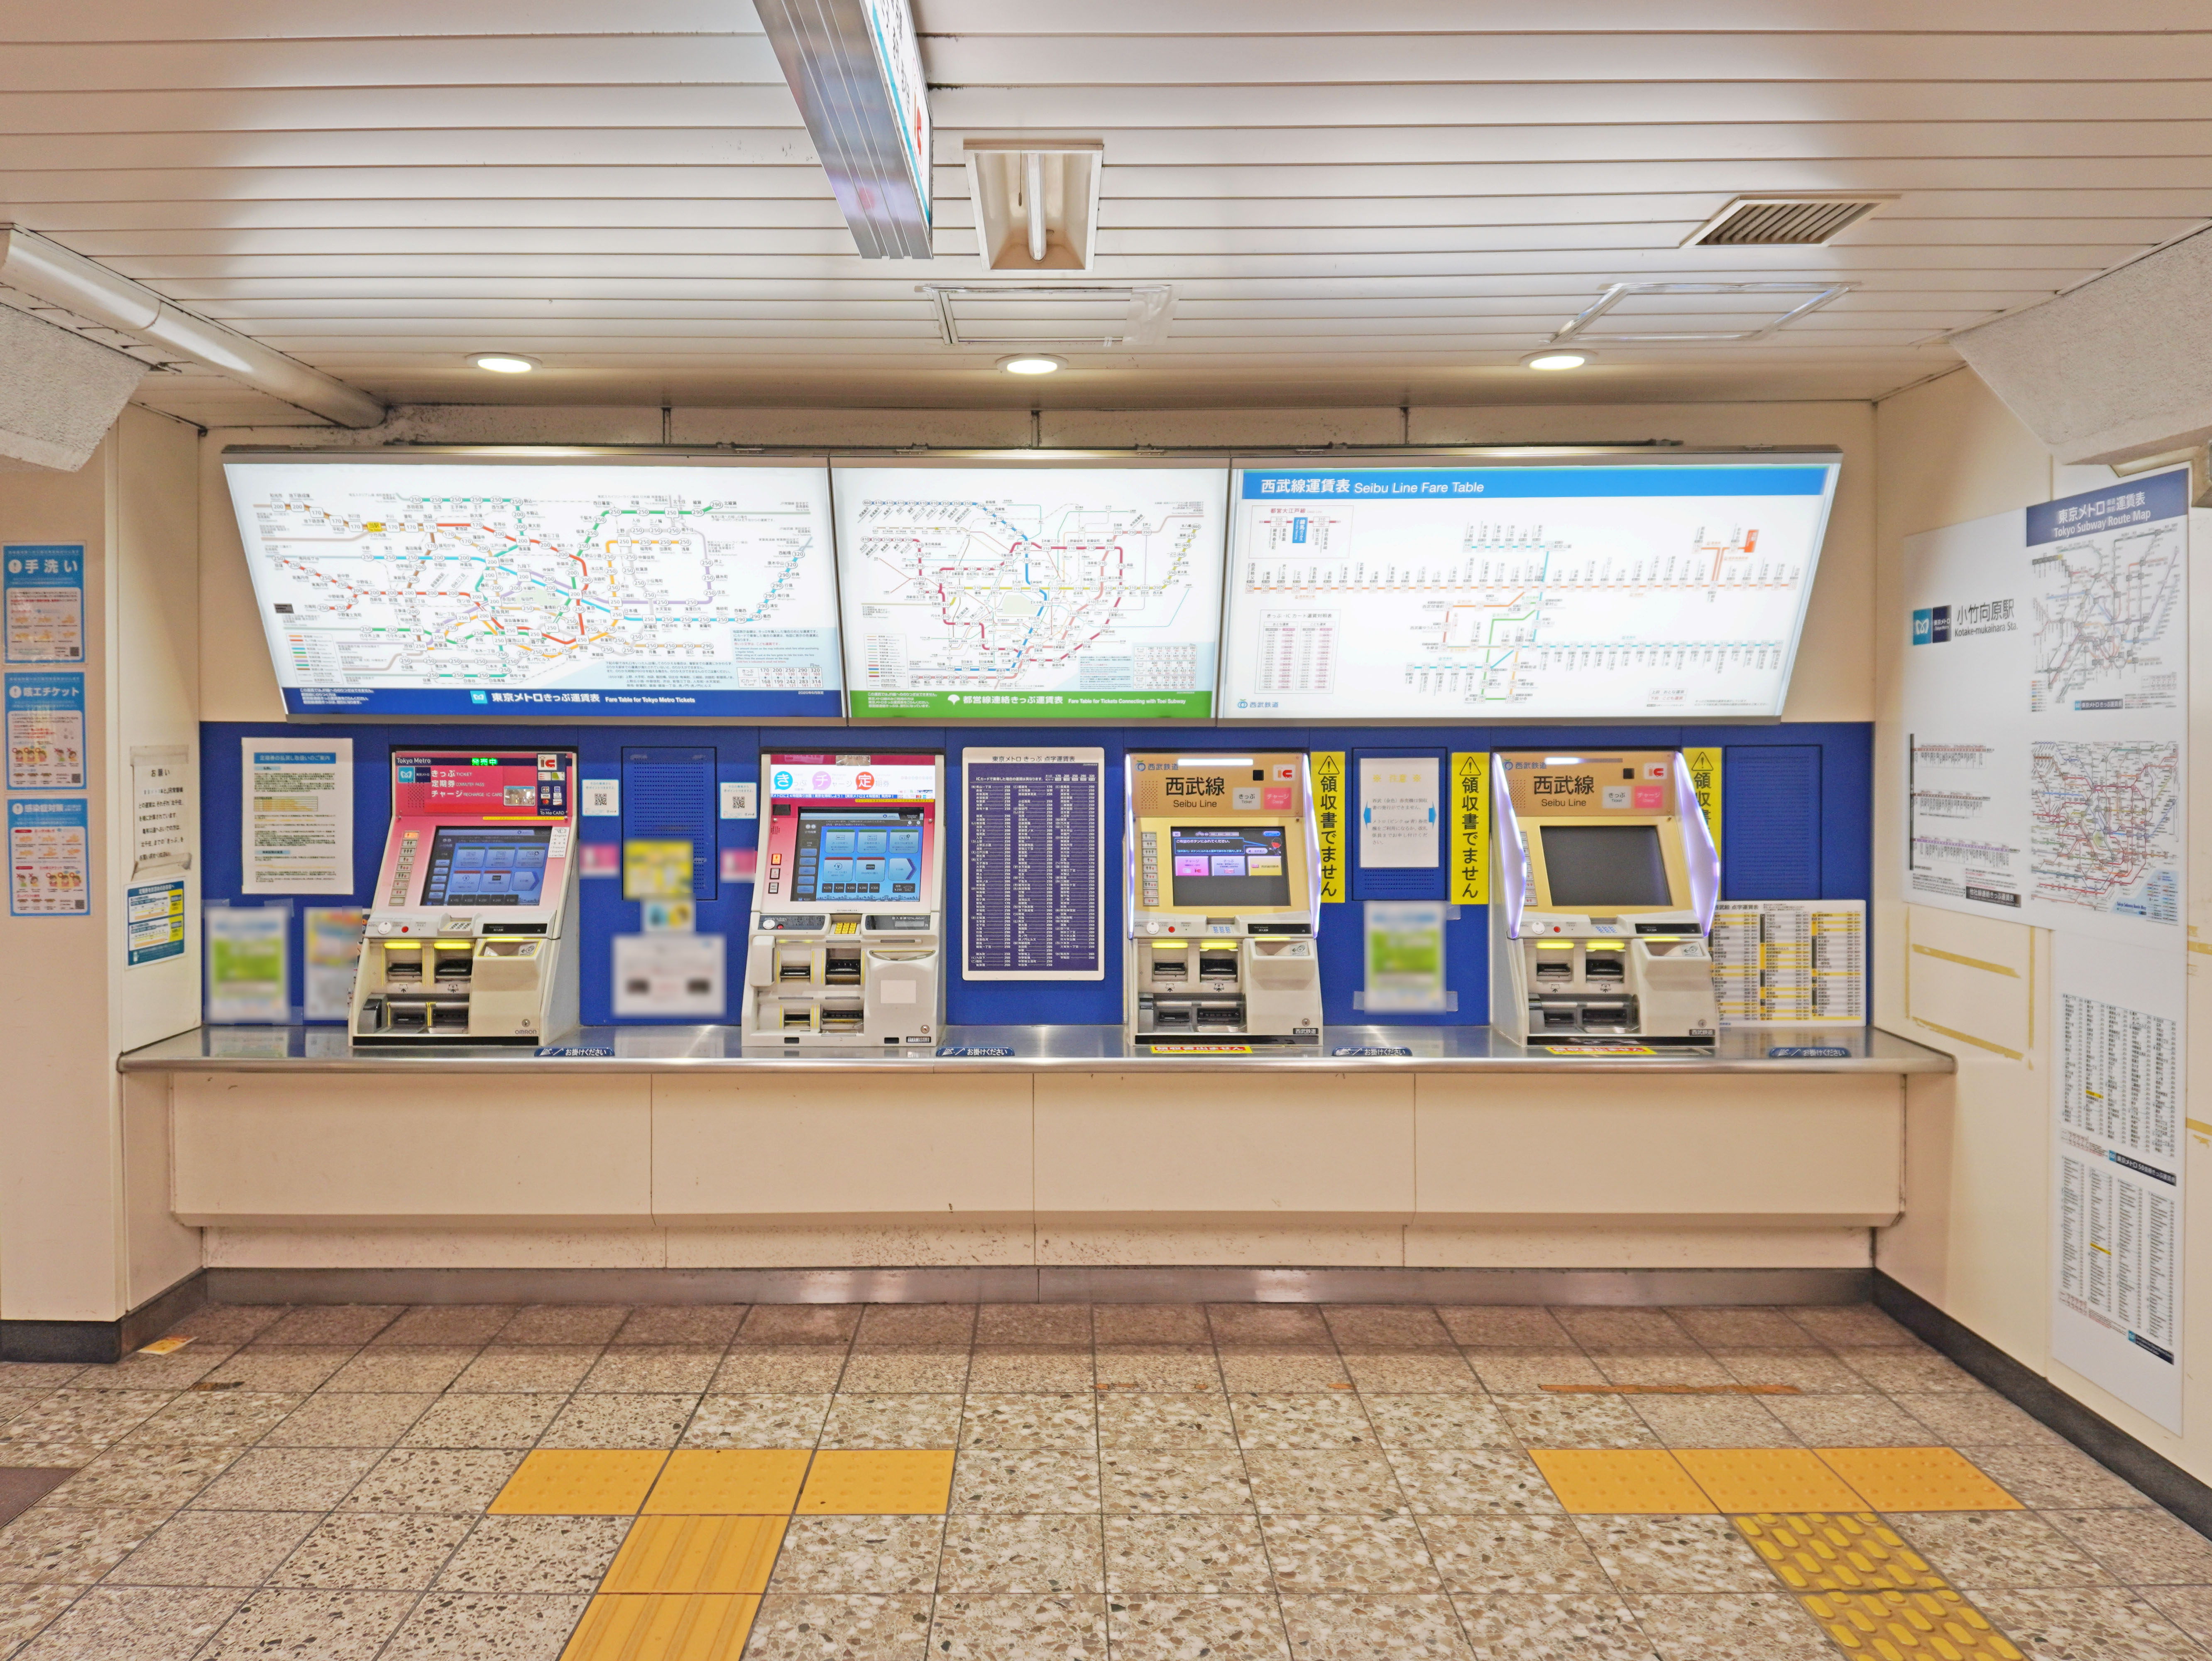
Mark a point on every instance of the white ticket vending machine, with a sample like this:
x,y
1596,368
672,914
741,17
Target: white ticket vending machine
x,y
470,931
847,948
1223,898
1606,880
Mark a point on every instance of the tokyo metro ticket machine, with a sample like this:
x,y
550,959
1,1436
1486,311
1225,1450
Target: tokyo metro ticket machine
x,y
847,947
1224,899
471,929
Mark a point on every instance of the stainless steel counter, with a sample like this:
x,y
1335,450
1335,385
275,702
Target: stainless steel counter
x,y
1033,1048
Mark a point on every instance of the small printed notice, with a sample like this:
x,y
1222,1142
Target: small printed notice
x,y
1405,956
154,923
1400,800
671,975
46,731
245,978
49,859
161,809
1789,963
44,586
297,825
330,939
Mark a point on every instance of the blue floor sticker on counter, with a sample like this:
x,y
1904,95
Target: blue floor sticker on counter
x,y
564,1051
964,1052
1807,1052
1370,1049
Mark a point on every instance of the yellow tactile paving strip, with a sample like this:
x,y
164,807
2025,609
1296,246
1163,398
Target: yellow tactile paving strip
x,y
1915,1479
580,1483
1768,1479
672,1554
1909,1626
1630,1481
707,1627
877,1483
729,1482
1621,1481
1832,1551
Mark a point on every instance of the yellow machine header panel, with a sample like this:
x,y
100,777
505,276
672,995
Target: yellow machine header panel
x,y
1224,836
1628,783
1269,786
1610,871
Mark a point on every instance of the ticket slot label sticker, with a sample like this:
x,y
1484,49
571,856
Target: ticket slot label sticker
x,y
1600,1050
1202,1049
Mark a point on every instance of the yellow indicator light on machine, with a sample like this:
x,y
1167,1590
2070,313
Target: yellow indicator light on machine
x,y
1555,945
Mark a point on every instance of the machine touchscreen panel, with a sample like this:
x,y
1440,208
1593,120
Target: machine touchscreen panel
x,y
1229,867
473,865
1602,866
861,856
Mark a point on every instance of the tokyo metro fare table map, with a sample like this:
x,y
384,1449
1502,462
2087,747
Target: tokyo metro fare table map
x,y
512,589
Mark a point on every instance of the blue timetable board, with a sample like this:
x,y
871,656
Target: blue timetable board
x,y
1035,861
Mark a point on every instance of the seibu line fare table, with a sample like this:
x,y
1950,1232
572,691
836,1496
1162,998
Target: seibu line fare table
x,y
1035,871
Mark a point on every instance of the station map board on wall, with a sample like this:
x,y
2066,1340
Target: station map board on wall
x,y
1444,591
447,585
1035,593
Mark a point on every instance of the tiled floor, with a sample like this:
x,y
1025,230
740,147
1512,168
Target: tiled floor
x,y
1146,1482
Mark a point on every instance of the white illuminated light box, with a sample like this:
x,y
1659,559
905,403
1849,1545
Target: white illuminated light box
x,y
1442,588
450,583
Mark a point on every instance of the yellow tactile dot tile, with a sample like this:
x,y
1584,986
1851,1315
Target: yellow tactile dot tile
x,y
632,1628
1621,1481
580,1483
695,1554
728,1483
1768,1479
1918,1479
1909,1626
1836,1551
877,1483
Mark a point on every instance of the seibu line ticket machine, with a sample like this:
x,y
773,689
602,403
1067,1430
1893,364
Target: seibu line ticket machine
x,y
846,950
468,936
1224,893
1606,878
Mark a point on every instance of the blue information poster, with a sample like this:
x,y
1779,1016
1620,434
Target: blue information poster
x,y
46,730
44,586
49,859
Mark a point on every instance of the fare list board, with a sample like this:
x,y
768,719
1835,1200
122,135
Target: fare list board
x,y
1035,864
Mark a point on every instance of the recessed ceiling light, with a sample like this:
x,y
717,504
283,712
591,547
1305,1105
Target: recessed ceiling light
x,y
1557,359
504,362
1032,363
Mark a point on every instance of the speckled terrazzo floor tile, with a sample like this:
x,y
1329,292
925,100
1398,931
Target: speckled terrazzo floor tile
x,y
1504,1327
2099,1624
1311,1420
2189,1608
621,1421
968,1627
156,1373
1526,1372
757,1421
1385,1326
781,1369
1337,1553
470,1326
1281,1370
563,1323
25,1609
1062,1555
151,1477
1740,1329
1068,1423
1355,1628
1981,1419
372,1551
893,1422
1809,1372
1353,1481
1849,1421
1440,1421
1601,1328
288,1479
484,1421
1027,1480
142,1623
15,1402
1659,1367
1758,1626
1186,1628
310,1625
1044,1368
1512,1555
1998,1548
850,1555
1033,1324
229,1323
816,1627
1181,1480
1408,1371
1150,1323
1576,1421
1165,1421
1553,1627
486,1627
225,1419
1472,1482
667,1369
912,1369
2054,1478
801,1323
1268,1324
303,1368
534,1553
1850,1325
402,1370
347,1422
348,1324
2141,1547
215,1548
1711,1422
1911,1373
1217,1554
76,1419
709,1326
916,1323
1156,1368
508,1372
463,1480
1674,1555
58,1546
38,1375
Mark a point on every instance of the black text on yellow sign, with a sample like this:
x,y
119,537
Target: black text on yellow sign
x,y
1704,766
1328,820
1470,827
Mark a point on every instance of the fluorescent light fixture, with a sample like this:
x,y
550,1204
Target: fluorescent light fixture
x,y
1556,360
504,362
1032,363
1563,761
1035,203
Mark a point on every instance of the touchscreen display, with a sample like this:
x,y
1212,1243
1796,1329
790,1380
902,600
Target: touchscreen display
x,y
488,865
1229,867
857,856
1596,868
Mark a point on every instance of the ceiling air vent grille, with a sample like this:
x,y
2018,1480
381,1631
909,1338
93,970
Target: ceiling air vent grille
x,y
1783,221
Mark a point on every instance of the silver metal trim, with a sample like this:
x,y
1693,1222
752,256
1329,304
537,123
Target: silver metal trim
x,y
1613,294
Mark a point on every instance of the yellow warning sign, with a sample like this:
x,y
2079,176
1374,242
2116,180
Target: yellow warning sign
x,y
1706,779
1328,820
1470,827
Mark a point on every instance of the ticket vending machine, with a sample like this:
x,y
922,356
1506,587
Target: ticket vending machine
x,y
846,947
1223,897
1605,880
472,931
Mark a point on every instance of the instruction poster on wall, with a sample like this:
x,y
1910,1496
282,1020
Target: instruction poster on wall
x,y
297,826
46,731
1405,942
245,968
1400,801
155,923
43,588
161,809
49,859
